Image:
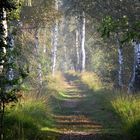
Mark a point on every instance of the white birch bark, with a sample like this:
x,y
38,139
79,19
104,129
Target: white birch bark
x,y
65,57
136,65
120,60
64,63
83,54
11,44
5,27
77,50
39,67
55,42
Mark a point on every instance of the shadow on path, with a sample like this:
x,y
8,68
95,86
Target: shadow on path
x,y
83,114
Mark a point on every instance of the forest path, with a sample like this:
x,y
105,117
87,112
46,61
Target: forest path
x,y
80,113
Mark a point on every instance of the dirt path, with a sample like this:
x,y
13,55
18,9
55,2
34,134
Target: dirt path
x,y
81,116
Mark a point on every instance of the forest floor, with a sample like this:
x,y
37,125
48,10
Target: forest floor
x,y
84,114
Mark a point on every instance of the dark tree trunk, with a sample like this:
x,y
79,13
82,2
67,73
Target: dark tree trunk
x,y
134,85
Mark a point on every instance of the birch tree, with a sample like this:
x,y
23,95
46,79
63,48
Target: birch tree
x,y
77,49
7,76
37,55
3,42
82,41
54,41
135,78
120,60
78,9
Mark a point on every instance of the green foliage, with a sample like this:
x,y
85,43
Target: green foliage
x,y
108,25
121,25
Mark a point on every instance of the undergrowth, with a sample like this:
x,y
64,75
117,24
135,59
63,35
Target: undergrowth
x,y
24,120
31,117
128,109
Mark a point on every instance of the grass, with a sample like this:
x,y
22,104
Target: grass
x,y
116,112
91,98
55,83
24,120
38,118
128,109
91,80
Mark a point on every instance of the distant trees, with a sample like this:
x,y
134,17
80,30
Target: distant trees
x,y
37,19
82,47
77,9
120,21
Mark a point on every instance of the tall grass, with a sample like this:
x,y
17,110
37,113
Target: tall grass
x,y
24,120
128,109
55,83
92,80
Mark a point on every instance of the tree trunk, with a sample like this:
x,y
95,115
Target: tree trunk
x,y
55,42
77,50
120,60
3,50
120,72
10,69
5,26
39,67
4,37
82,42
135,79
65,58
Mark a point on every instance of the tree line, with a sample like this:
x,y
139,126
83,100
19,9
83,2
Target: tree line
x,y
41,37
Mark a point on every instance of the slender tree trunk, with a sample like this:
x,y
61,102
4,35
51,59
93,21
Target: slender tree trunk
x,y
5,26
44,40
135,79
77,50
120,60
10,69
39,67
83,53
55,42
4,36
120,72
65,58
2,68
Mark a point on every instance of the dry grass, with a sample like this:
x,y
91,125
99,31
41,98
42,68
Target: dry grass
x,y
92,80
56,82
